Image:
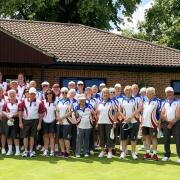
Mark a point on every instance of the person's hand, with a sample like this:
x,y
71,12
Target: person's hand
x,y
21,125
128,119
114,125
39,127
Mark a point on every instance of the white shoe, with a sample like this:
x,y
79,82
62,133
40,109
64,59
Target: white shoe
x,y
178,161
38,147
45,153
32,154
3,151
9,153
101,154
42,150
17,153
165,159
78,156
109,156
86,155
134,156
123,155
91,152
52,153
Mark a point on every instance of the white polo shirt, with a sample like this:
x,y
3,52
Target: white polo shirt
x,y
63,107
31,110
150,114
93,102
10,108
20,91
106,112
50,109
4,86
85,120
2,101
170,108
74,105
128,107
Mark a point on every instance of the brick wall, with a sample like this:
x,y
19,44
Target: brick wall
x,y
158,80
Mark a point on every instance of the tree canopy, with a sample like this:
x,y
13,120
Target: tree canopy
x,y
103,14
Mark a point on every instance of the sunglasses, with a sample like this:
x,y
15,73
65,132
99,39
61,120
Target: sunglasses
x,y
80,84
64,92
56,87
112,92
49,93
26,91
45,86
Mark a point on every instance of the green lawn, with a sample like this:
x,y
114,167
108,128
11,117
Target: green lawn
x,y
92,168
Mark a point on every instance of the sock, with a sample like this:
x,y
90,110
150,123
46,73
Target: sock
x,y
148,151
154,152
10,148
17,148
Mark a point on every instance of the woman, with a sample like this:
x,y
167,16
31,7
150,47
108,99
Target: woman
x,y
71,95
2,122
49,122
3,84
10,111
21,85
106,115
63,111
129,125
84,114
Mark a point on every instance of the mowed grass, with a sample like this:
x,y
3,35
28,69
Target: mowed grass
x,y
46,168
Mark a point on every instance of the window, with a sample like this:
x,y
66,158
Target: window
x,y
9,78
87,81
176,86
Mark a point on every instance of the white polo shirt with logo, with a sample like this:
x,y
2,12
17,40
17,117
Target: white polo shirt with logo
x,y
85,116
150,115
31,109
106,112
63,107
170,108
128,107
10,108
49,115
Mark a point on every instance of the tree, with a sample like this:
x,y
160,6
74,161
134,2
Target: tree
x,y
162,23
96,13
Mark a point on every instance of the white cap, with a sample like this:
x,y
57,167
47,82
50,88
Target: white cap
x,y
102,84
64,89
32,90
71,82
45,83
81,97
169,89
80,82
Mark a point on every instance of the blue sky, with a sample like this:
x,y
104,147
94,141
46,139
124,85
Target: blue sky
x,y
137,16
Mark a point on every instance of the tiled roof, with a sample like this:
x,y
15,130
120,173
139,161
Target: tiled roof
x,y
74,43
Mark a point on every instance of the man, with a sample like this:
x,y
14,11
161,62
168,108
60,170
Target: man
x,y
150,122
21,85
80,88
45,86
71,85
170,115
31,113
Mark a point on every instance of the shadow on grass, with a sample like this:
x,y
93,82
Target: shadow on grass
x,y
92,159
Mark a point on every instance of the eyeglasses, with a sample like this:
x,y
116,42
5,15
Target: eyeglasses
x,y
26,91
45,86
56,87
49,93
64,92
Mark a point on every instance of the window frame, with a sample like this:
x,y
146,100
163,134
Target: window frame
x,y
172,84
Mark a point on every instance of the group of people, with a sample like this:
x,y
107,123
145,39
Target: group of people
x,y
80,119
